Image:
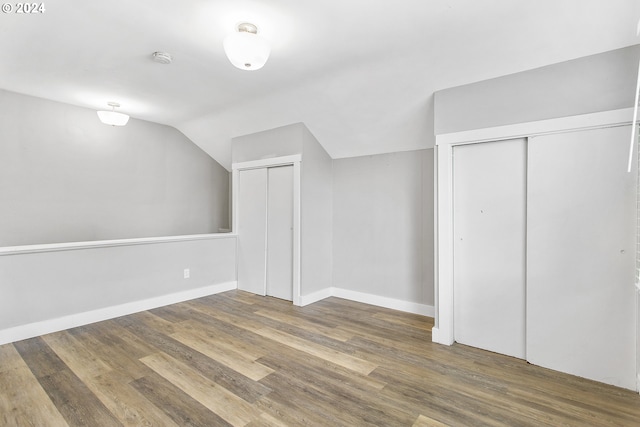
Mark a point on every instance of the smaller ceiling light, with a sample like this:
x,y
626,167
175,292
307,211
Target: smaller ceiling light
x,y
162,57
112,117
246,49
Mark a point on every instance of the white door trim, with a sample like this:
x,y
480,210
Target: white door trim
x,y
443,331
541,127
267,163
294,160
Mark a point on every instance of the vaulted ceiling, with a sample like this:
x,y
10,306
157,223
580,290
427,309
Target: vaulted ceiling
x,y
359,73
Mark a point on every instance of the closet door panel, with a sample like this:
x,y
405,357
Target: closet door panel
x,y
489,188
280,233
252,230
581,245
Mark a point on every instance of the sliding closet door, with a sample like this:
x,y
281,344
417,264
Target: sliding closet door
x,y
252,230
280,233
581,240
489,188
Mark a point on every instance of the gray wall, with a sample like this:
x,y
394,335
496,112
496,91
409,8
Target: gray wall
x,y
383,225
591,84
278,142
428,226
45,286
66,177
316,207
367,222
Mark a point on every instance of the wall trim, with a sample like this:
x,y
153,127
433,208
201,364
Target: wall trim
x,y
269,162
435,334
377,300
35,329
316,296
72,246
542,127
386,302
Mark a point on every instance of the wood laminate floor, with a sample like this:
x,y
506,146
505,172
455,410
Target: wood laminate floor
x,y
244,360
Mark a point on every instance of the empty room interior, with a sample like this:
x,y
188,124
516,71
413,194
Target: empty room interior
x,y
324,213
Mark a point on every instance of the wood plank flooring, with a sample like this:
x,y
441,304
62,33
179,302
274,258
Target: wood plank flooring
x,y
243,360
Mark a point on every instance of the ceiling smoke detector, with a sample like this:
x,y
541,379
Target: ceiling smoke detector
x,y
162,57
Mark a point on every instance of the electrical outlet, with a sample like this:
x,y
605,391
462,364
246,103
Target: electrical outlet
x,y
187,273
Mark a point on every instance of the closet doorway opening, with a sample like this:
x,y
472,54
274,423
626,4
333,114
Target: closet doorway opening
x,y
266,220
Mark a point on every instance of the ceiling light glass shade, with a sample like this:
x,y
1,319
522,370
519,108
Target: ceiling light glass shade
x,y
246,50
113,118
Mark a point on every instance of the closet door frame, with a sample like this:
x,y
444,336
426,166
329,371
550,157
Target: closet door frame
x,y
443,331
295,161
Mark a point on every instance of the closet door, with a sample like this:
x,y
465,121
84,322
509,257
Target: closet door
x,y
252,230
489,191
581,241
280,233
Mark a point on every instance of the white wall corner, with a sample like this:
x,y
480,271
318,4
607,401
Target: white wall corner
x,y
315,296
435,335
379,301
35,329
441,338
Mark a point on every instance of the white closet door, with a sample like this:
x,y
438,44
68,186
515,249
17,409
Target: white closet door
x,y
581,241
280,233
489,188
252,230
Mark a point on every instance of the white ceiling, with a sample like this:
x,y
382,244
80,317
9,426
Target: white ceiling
x,y
359,73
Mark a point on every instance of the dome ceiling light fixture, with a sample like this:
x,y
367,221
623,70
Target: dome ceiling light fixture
x,y
246,49
112,117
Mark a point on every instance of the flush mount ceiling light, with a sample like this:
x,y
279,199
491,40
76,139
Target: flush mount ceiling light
x,y
112,117
246,49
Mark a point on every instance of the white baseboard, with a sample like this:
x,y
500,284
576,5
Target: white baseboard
x,y
35,329
386,302
435,334
315,297
438,337
54,325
